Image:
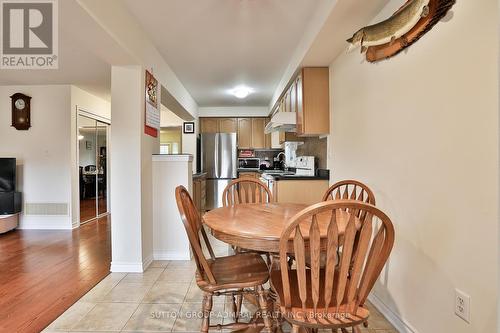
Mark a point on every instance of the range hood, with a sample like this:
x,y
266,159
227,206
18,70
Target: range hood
x,y
283,122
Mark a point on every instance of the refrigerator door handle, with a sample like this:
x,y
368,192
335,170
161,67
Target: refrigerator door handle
x,y
217,156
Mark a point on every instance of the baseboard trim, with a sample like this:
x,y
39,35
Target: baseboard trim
x,y
127,267
44,226
171,255
147,262
401,325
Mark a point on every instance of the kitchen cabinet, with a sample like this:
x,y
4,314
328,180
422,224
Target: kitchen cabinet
x,y
292,191
312,90
199,193
249,174
250,130
245,132
209,125
308,95
228,125
268,138
218,125
258,135
287,136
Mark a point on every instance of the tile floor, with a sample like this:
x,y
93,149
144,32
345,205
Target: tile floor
x,y
162,299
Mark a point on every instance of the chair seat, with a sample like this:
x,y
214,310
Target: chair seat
x,y
238,271
331,316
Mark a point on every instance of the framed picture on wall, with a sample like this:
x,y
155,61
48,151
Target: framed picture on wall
x,y
188,127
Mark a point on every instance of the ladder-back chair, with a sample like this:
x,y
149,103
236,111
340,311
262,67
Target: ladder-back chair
x,y
224,275
350,189
331,296
246,190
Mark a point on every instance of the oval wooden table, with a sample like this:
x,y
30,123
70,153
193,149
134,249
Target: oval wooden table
x,y
259,226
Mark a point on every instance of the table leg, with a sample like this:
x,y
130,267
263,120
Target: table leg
x,y
266,300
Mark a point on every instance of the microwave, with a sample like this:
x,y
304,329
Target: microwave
x,y
249,163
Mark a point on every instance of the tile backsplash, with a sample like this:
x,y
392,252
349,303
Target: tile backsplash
x,y
314,147
270,154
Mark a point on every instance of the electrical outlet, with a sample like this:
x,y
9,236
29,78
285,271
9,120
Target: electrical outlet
x,y
462,305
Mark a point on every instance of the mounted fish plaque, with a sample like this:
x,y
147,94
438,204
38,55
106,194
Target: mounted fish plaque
x,y
388,38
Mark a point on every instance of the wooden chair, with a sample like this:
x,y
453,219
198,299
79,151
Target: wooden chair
x,y
246,190
350,189
222,276
331,297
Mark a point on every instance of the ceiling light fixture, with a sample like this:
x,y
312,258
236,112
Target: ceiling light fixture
x,y
81,137
241,91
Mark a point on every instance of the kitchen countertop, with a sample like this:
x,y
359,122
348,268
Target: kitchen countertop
x,y
250,170
294,177
321,174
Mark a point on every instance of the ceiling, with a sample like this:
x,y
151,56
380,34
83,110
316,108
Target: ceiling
x,y
215,45
211,45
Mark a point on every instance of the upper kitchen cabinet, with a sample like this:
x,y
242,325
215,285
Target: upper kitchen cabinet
x,y
218,125
258,135
307,100
250,130
312,101
228,125
268,139
245,133
209,125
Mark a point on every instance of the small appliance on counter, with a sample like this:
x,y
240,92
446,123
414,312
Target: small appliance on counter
x,y
250,164
305,166
265,164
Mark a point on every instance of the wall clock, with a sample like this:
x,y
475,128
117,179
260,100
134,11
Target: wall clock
x,y
21,113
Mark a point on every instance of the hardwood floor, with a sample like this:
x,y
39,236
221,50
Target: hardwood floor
x,y
43,272
88,208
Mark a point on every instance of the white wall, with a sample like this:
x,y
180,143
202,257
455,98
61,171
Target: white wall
x,y
239,111
421,130
43,152
131,173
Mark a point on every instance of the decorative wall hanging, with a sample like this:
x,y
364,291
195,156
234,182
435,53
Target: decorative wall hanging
x,y
21,111
188,127
152,116
388,38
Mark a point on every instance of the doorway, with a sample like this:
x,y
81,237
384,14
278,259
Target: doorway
x,y
171,140
93,167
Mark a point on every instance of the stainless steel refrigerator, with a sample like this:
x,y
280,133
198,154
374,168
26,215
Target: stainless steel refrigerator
x,y
219,160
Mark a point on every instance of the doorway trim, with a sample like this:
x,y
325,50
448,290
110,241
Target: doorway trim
x,y
83,112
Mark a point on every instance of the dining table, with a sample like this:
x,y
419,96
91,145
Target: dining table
x,y
258,227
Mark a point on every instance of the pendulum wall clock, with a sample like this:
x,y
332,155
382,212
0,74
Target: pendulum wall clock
x,y
21,117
